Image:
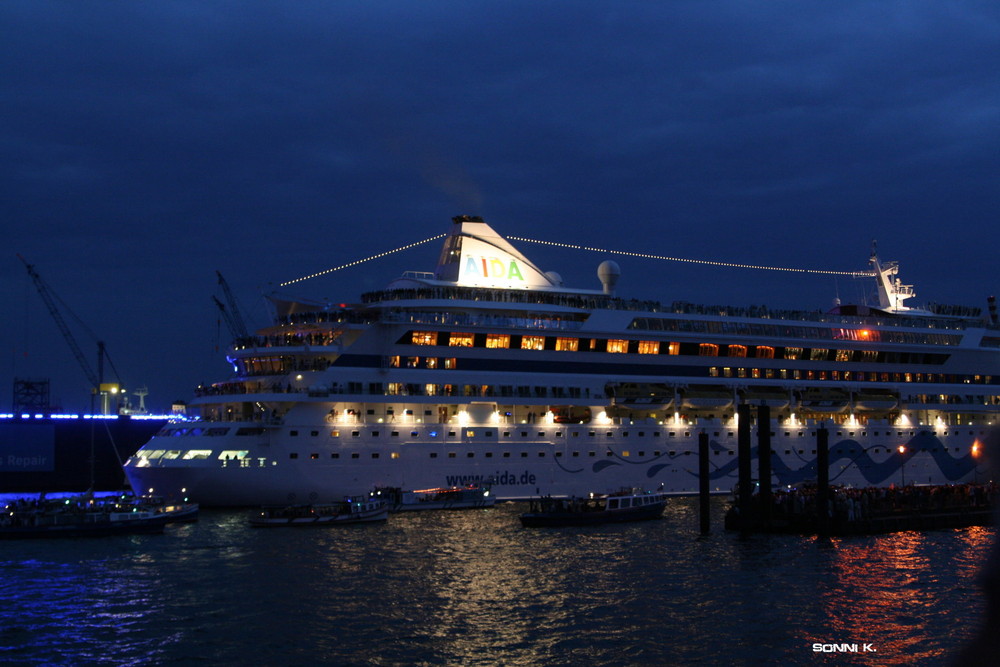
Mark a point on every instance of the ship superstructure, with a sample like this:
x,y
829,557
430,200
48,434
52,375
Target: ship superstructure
x,y
489,370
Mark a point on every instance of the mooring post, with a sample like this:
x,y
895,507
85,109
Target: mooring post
x,y
764,462
745,482
703,504
822,482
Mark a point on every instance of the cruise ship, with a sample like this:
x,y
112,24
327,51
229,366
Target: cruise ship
x,y
491,371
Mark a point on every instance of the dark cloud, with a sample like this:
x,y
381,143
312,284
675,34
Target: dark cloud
x,y
146,145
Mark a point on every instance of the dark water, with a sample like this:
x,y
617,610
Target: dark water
x,y
474,588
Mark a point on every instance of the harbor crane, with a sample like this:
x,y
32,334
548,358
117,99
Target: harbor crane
x,y
96,380
234,320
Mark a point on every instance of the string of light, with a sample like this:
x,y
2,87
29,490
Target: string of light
x,y
694,261
361,261
572,246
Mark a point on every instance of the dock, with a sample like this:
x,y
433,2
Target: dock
x,y
869,511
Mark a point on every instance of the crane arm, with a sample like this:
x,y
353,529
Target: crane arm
x,y
230,324
234,318
46,294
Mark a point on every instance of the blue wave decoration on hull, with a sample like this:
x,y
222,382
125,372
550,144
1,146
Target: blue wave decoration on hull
x,y
846,452
852,453
653,471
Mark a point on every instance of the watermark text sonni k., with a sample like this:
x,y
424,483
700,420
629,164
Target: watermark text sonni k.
x,y
844,648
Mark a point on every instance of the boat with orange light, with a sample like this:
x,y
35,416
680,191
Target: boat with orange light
x,y
443,498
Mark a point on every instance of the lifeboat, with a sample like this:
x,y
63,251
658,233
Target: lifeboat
x,y
875,400
707,398
773,397
825,400
645,395
570,414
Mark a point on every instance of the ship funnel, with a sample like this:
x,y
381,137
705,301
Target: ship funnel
x,y
609,272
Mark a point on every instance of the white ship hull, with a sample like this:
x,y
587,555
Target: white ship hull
x,y
649,456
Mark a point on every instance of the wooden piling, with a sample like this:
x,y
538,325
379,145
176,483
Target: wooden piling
x,y
822,482
745,482
703,497
764,461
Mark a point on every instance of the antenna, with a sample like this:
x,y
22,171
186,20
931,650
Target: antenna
x,y
142,393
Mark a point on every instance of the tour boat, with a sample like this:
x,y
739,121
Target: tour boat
x,y
348,511
619,507
78,516
442,498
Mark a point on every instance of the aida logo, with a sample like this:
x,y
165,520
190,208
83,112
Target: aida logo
x,y
492,268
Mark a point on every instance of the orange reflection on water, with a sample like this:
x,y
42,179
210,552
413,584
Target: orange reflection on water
x,y
886,592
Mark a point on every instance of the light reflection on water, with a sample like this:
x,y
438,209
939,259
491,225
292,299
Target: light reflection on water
x,y
474,588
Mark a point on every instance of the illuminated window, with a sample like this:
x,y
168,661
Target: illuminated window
x,y
532,342
567,344
674,348
793,353
412,362
425,338
617,346
396,388
432,389
736,351
431,362
818,354
450,363
713,372
708,350
393,362
460,340
843,355
649,347
765,352
497,340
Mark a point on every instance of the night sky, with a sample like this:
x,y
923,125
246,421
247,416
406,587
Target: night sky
x,y
146,145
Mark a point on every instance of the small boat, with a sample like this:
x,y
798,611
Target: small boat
x,y
446,498
176,512
80,516
348,511
625,505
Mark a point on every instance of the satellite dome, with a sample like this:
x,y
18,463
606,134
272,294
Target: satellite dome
x,y
554,277
609,272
